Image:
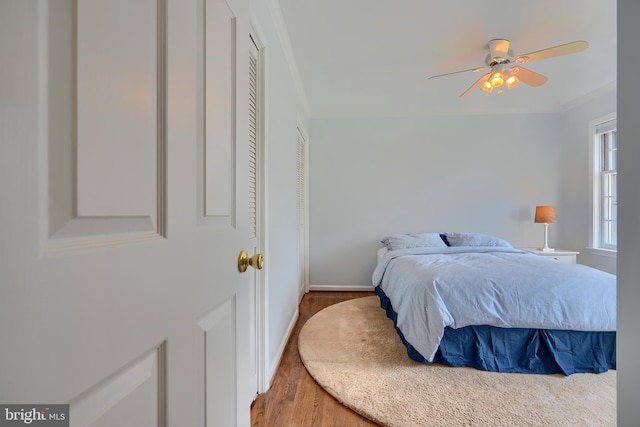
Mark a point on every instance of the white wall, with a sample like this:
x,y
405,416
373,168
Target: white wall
x,y
574,177
628,214
284,110
373,177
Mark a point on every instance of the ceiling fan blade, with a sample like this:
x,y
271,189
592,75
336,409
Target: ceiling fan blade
x,y
473,70
564,49
529,77
476,85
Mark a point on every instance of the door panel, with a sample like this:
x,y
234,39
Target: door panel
x,y
105,94
119,296
220,90
117,94
220,347
134,396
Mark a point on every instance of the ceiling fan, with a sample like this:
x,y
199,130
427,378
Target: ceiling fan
x,y
506,69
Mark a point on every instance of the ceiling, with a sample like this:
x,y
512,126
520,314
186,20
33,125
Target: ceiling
x,y
372,58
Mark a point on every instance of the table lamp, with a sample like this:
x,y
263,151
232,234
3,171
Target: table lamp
x,y
545,215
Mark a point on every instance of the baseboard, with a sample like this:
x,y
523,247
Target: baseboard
x,y
283,343
363,288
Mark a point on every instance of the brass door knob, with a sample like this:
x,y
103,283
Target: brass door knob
x,y
244,261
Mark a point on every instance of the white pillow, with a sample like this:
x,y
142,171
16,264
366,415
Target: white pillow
x,y
415,240
475,239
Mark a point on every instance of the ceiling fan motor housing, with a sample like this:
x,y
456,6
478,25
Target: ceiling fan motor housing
x,y
499,52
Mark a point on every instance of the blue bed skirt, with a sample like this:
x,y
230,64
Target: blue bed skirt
x,y
529,351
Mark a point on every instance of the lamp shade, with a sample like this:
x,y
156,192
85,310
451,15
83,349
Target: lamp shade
x,y
545,214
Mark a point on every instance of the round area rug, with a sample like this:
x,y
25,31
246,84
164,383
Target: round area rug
x,y
353,351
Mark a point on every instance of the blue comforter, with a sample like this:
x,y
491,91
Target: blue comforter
x,y
431,288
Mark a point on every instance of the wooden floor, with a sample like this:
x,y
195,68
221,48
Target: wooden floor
x,y
294,398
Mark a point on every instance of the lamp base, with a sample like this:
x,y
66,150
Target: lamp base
x,y
546,249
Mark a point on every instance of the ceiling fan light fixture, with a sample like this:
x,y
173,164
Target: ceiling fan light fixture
x,y
497,79
486,86
511,82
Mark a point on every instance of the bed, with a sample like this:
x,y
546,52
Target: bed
x,y
469,299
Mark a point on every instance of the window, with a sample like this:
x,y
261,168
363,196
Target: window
x,y
605,185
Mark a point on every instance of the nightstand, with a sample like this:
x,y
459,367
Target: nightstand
x,y
558,254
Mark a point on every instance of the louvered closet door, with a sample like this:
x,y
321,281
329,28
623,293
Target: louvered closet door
x,y
255,209
253,139
124,169
301,207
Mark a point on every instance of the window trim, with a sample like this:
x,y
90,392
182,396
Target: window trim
x,y
595,190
